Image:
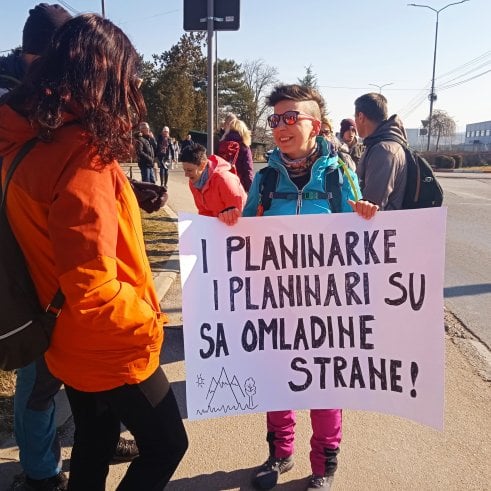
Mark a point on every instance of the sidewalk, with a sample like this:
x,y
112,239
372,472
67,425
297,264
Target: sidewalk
x,y
378,452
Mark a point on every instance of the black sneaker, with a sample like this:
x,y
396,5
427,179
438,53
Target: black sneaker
x,y
126,450
55,483
267,475
320,482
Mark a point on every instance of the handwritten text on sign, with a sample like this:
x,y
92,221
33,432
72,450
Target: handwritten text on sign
x,y
316,311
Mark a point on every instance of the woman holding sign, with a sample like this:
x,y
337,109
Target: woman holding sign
x,y
298,180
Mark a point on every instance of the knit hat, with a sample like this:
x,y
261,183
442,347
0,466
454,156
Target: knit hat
x,y
346,124
40,26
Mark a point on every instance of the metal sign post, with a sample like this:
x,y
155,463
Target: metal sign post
x,y
211,16
211,75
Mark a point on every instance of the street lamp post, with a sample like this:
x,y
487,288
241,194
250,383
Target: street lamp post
x,y
432,96
380,86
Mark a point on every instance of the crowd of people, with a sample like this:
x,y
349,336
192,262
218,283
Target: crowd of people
x,y
73,88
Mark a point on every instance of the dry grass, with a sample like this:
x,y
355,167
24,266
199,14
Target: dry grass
x,y
7,387
161,240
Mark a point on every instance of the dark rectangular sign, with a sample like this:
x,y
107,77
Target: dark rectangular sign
x,y
226,14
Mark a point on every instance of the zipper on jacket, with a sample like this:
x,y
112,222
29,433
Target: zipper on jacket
x,y
299,201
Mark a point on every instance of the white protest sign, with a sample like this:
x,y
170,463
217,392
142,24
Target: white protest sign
x,y
315,311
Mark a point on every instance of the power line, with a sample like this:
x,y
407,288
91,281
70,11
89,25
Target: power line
x,y
68,6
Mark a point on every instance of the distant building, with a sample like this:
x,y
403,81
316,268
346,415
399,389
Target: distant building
x,y
478,133
418,142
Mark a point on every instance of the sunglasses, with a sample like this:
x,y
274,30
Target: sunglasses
x,y
288,117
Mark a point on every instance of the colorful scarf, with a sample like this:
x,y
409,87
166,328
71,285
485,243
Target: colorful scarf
x,y
300,167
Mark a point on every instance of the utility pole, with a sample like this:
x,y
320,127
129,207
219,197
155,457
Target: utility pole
x,y
432,96
103,9
211,75
380,86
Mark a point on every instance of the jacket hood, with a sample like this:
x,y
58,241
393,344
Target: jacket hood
x,y
217,164
15,130
234,136
389,129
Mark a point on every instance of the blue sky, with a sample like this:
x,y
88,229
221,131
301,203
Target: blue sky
x,y
349,44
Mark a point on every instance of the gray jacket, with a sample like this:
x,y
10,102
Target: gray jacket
x,y
382,168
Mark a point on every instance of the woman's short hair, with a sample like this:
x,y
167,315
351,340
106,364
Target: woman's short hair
x,y
299,93
194,154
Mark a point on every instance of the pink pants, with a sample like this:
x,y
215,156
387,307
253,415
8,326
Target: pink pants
x,y
326,435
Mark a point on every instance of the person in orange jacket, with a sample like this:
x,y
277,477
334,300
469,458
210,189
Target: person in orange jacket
x,y
78,224
217,191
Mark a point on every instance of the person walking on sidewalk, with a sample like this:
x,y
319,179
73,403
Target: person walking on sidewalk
x,y
77,221
301,161
146,147
36,387
165,155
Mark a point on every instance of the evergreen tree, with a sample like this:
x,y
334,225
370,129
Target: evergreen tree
x,y
310,79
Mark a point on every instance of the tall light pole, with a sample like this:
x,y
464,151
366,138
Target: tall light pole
x,y
381,86
103,9
432,96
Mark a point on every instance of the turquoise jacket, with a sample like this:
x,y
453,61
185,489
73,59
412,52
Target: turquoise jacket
x,y
304,205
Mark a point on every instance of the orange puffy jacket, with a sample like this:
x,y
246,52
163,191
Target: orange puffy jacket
x,y
79,226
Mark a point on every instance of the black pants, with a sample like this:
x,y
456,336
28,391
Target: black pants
x,y
149,411
164,173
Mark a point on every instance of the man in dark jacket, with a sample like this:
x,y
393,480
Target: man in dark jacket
x,y
146,147
382,169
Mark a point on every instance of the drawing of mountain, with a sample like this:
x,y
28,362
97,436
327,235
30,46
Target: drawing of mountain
x,y
225,393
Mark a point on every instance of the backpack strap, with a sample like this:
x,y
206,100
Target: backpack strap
x,y
26,148
332,186
54,307
267,186
333,179
344,167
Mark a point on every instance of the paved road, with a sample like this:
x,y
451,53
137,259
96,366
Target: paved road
x,y
468,245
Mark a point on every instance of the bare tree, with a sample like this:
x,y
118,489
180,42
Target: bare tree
x,y
259,78
442,124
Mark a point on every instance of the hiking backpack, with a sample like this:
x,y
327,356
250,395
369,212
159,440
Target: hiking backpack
x,y
229,151
422,187
25,327
333,181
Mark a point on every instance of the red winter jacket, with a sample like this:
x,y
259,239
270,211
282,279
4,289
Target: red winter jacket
x,y
222,190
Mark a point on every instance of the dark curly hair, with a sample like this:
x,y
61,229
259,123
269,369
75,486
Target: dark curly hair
x,y
90,69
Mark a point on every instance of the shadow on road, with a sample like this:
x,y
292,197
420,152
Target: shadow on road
x,y
467,290
220,481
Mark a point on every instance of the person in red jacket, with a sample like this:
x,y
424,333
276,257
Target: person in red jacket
x,y
77,221
217,191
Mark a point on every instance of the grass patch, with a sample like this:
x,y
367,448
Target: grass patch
x,y
161,238
7,388
161,242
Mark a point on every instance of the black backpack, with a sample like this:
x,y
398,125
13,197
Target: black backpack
x,y
422,188
333,179
25,327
